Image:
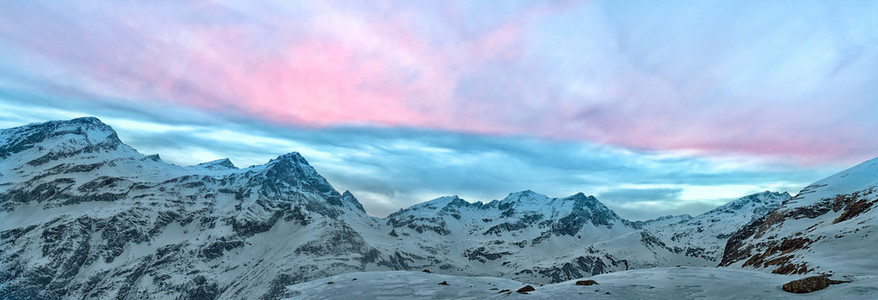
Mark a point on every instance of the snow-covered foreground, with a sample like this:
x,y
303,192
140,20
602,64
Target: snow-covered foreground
x,y
655,283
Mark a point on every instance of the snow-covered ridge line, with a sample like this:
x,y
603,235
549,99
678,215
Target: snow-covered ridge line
x,y
84,215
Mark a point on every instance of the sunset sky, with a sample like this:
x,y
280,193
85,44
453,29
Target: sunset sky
x,y
654,107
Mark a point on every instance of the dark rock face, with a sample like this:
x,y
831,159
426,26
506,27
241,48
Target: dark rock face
x,y
421,224
525,289
810,284
582,266
777,253
481,255
524,222
586,282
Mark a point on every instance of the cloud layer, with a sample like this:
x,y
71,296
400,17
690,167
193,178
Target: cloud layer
x,y
786,78
402,100
391,168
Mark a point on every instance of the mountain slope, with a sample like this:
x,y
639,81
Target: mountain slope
x,y
706,235
828,227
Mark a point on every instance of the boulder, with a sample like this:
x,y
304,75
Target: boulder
x,y
586,282
525,289
810,284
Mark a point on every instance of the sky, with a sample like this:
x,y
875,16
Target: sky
x,y
655,108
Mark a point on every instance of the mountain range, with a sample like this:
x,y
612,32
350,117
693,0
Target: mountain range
x,y
83,215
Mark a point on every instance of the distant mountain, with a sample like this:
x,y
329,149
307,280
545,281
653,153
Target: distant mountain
x,y
82,215
829,227
525,236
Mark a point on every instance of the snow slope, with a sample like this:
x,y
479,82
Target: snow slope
x,y
829,227
655,283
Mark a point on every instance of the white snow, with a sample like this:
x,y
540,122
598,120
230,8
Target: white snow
x,y
654,283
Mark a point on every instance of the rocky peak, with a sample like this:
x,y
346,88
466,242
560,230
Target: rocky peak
x,y
764,201
587,201
87,133
219,164
292,157
526,195
152,157
665,220
349,198
291,172
443,202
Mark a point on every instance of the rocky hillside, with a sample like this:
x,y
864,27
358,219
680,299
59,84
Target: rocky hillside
x,y
829,227
706,235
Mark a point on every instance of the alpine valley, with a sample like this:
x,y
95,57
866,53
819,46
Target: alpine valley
x,y
85,216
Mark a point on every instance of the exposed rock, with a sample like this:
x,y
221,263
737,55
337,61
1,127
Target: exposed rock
x,y
586,282
525,289
810,284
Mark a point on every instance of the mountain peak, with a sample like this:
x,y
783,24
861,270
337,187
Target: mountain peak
x,y
582,197
79,134
88,120
219,164
762,200
526,195
292,169
292,157
439,203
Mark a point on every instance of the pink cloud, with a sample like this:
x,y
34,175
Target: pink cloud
x,y
325,65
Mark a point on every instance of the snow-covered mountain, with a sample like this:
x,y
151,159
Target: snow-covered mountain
x,y
86,216
526,236
82,215
829,227
706,235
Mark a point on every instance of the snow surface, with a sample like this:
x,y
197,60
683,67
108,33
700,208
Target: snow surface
x,y
655,283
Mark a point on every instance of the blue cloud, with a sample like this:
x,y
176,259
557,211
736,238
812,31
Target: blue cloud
x,y
656,109
391,168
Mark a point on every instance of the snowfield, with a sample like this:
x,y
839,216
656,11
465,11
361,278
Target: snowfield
x,y
655,283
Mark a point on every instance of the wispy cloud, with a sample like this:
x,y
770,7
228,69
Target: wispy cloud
x,y
391,168
710,78
402,101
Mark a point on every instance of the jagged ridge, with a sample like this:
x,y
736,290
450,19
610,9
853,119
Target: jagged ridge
x,y
85,215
